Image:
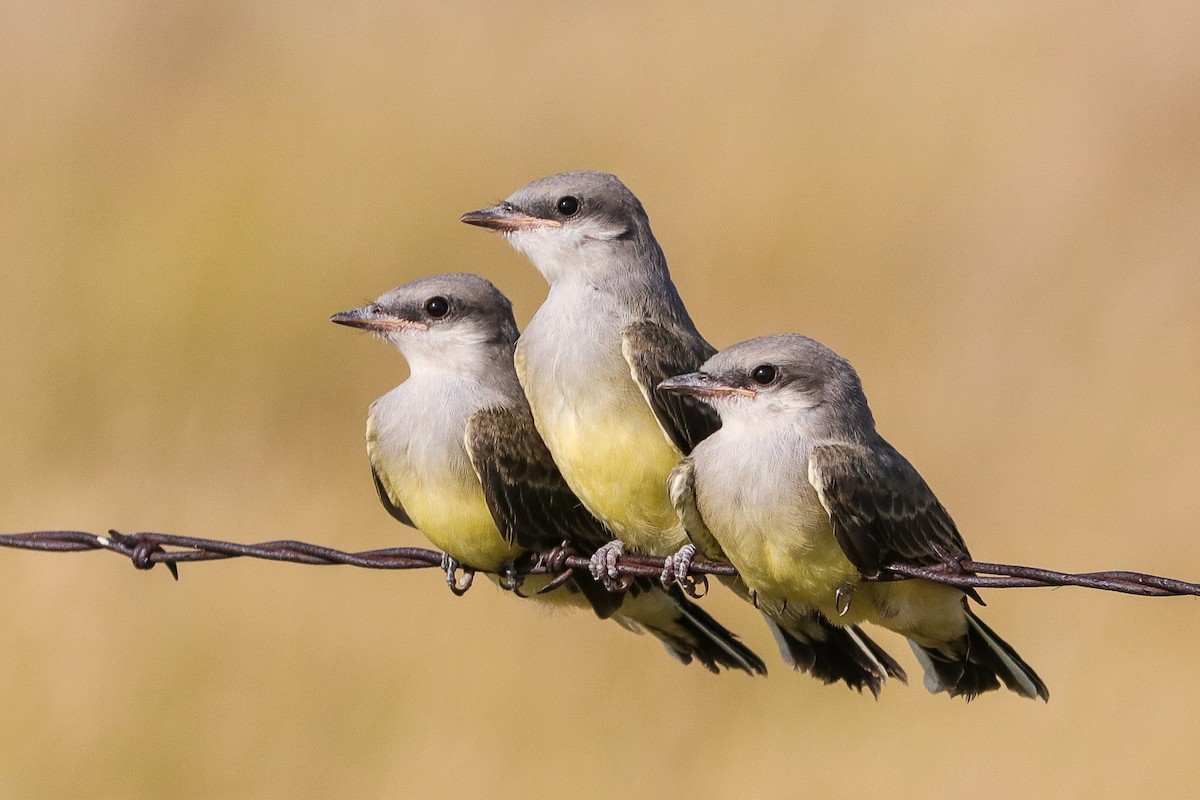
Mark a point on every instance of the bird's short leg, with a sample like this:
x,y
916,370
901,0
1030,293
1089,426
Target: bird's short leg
x,y
457,584
604,566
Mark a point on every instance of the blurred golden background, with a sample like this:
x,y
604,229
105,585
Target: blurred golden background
x,y
992,211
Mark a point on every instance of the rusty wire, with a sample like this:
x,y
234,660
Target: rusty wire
x,y
146,549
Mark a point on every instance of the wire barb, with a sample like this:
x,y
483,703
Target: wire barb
x,y
145,549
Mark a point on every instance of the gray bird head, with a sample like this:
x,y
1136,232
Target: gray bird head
x,y
450,321
575,224
784,377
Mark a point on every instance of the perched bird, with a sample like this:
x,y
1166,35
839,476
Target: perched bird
x,y
454,453
612,327
805,498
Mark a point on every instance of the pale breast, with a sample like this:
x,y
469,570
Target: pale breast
x,y
759,506
415,439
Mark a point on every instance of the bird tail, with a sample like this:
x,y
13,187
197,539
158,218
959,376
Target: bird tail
x,y
686,630
977,663
810,643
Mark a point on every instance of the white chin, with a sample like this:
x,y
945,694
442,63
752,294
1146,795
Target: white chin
x,y
535,251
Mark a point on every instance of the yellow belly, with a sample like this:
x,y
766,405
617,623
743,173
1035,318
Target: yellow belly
x,y
926,612
805,574
456,519
617,463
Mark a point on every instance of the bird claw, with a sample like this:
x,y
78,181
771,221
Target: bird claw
x,y
676,565
458,583
675,570
695,586
511,578
604,568
842,597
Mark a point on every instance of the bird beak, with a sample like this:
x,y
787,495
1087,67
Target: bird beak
x,y
701,384
373,319
506,218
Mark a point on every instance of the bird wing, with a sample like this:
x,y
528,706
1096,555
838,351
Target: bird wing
x,y
385,496
881,509
527,495
393,508
655,353
681,484
529,499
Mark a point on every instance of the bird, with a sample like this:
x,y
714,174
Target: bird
x,y
454,453
610,329
807,500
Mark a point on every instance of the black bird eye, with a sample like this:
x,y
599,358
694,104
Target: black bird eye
x,y
437,307
568,206
763,374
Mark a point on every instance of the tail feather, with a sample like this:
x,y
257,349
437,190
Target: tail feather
x,y
977,663
687,631
812,644
890,666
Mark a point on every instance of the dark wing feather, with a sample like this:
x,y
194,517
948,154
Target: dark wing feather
x,y
882,510
390,503
393,508
527,495
529,499
655,353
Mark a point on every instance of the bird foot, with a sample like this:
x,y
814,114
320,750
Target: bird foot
x,y
676,565
511,578
604,567
458,584
675,570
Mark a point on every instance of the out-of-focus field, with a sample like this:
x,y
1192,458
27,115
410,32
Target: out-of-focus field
x,y
993,212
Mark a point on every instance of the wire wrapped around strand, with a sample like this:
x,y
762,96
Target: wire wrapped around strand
x,y
146,549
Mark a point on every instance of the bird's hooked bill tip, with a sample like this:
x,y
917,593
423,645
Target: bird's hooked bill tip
x,y
372,319
700,384
506,219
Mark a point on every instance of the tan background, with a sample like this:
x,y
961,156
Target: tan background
x,y
993,212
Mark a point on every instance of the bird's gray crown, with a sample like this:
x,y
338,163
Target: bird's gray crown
x,y
596,198
453,299
788,363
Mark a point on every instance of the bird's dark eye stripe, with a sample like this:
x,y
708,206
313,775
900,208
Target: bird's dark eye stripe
x,y
567,206
437,307
763,374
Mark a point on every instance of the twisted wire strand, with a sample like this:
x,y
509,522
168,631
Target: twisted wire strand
x,y
146,549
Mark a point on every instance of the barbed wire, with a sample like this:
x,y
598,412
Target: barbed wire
x,y
146,549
